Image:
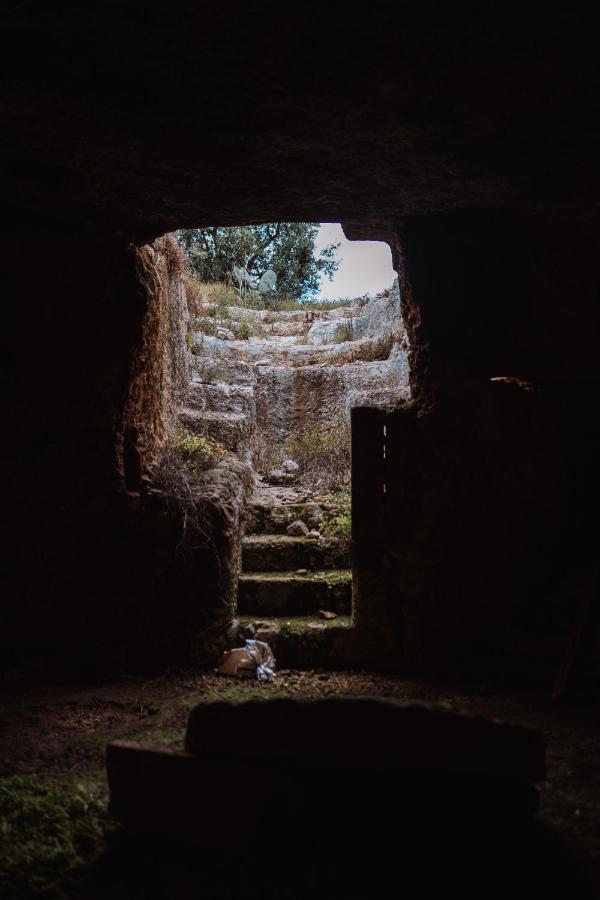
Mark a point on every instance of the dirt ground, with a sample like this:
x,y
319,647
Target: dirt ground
x,y
59,732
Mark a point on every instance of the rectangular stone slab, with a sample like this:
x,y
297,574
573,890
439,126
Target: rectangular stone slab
x,y
365,733
228,800
155,791
289,594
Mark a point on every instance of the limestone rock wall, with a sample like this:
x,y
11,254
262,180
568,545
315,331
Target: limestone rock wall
x,y
160,366
309,368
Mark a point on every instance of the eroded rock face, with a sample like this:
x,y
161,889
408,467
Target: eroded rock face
x,y
395,147
378,319
267,389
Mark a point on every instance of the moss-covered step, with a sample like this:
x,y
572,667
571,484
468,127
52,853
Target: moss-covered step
x,y
282,553
292,594
267,518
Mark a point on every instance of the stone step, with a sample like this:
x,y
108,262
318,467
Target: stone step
x,y
290,594
286,329
233,430
221,397
265,517
282,553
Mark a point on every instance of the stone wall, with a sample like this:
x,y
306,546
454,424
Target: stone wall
x,y
471,561
475,140
103,573
306,369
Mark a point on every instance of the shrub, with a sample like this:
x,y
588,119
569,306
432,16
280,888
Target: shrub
x,y
323,455
339,525
184,458
193,295
344,332
210,370
218,293
196,451
189,340
205,325
243,331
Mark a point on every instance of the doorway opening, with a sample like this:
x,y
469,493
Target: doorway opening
x,y
283,349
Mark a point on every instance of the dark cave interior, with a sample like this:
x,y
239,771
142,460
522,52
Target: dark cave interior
x,y
466,137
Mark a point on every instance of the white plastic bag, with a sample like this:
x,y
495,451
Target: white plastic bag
x,y
255,656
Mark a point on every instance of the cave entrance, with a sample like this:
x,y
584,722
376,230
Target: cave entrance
x,y
283,352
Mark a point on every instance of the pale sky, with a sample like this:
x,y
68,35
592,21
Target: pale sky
x,y
365,268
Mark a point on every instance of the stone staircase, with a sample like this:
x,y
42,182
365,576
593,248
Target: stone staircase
x,y
285,575
252,395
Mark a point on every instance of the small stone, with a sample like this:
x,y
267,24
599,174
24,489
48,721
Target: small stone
x,y
298,529
314,534
224,334
301,572
277,476
327,614
290,465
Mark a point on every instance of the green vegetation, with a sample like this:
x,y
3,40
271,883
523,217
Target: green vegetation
x,y
211,370
213,298
338,523
288,304
49,833
344,332
196,451
297,624
323,455
243,331
205,325
285,249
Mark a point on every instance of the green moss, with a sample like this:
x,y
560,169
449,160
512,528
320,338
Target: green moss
x,y
338,523
336,576
329,576
298,624
49,832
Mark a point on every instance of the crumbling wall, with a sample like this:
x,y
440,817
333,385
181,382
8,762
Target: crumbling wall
x,y
103,572
183,532
160,369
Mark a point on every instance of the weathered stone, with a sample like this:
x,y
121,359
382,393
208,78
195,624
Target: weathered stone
x,y
290,465
283,553
267,633
289,594
433,766
369,734
278,476
298,529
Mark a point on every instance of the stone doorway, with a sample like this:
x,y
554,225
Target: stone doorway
x,y
276,388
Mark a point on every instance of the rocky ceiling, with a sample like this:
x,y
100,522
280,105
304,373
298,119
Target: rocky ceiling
x,y
140,117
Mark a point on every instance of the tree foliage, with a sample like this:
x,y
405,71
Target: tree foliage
x,y
286,248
